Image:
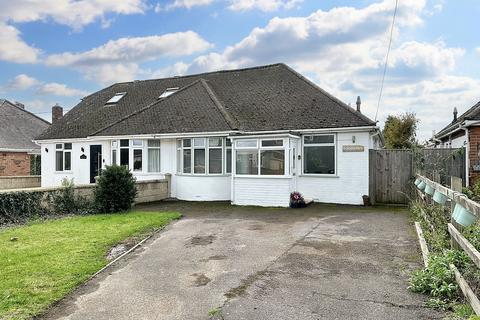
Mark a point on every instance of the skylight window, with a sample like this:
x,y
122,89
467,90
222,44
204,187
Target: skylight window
x,y
168,92
116,98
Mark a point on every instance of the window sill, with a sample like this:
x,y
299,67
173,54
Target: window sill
x,y
313,175
262,176
141,173
63,172
201,175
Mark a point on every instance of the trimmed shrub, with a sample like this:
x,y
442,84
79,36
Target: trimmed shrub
x,y
116,190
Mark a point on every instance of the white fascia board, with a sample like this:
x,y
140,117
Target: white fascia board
x,y
461,126
205,134
270,135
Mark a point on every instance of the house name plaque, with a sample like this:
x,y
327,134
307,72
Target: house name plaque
x,y
353,148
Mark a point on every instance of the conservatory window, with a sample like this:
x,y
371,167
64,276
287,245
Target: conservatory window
x,y
264,158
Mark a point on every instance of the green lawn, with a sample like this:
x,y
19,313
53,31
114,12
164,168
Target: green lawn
x,y
51,258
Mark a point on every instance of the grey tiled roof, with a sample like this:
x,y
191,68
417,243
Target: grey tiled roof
x,y
19,127
471,114
272,97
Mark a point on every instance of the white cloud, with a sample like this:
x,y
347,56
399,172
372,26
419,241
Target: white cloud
x,y
118,60
478,50
187,4
109,73
75,14
22,82
178,68
134,50
13,48
263,5
59,89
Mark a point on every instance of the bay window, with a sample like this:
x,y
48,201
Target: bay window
x,y
319,154
266,158
204,156
63,157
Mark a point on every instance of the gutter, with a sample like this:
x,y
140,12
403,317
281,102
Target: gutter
x,y
207,134
461,126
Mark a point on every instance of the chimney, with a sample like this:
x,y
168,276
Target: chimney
x,y
455,112
359,102
20,105
57,113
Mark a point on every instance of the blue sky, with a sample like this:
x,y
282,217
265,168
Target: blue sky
x,y
57,51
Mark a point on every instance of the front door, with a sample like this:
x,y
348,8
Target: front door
x,y
95,161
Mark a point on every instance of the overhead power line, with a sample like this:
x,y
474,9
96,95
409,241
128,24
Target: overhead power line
x,y
386,59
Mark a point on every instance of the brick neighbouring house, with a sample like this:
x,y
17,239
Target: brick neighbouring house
x,y
18,127
464,131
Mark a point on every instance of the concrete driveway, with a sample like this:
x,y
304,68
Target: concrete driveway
x,y
321,262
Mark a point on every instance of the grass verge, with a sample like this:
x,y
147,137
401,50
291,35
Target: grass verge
x,y
42,262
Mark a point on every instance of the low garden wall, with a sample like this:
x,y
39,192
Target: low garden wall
x,y
19,182
19,205
148,191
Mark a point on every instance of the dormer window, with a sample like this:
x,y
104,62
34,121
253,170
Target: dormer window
x,y
168,92
117,97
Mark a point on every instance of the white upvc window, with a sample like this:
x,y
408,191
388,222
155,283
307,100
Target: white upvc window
x,y
203,156
319,154
137,155
114,152
215,155
228,156
265,157
153,155
125,153
63,157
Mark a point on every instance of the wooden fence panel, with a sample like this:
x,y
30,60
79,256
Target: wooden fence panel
x,y
440,164
391,172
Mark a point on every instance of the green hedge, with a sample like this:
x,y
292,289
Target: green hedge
x,y
20,206
16,207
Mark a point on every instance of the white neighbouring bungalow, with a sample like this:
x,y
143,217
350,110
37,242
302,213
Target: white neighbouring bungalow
x,y
249,136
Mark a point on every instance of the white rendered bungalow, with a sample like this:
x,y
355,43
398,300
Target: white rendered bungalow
x,y
250,136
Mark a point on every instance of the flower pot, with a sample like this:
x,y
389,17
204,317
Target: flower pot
x,y
417,181
456,211
421,185
429,190
439,197
465,218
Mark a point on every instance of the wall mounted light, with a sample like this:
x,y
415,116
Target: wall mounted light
x,y
46,150
353,139
83,150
